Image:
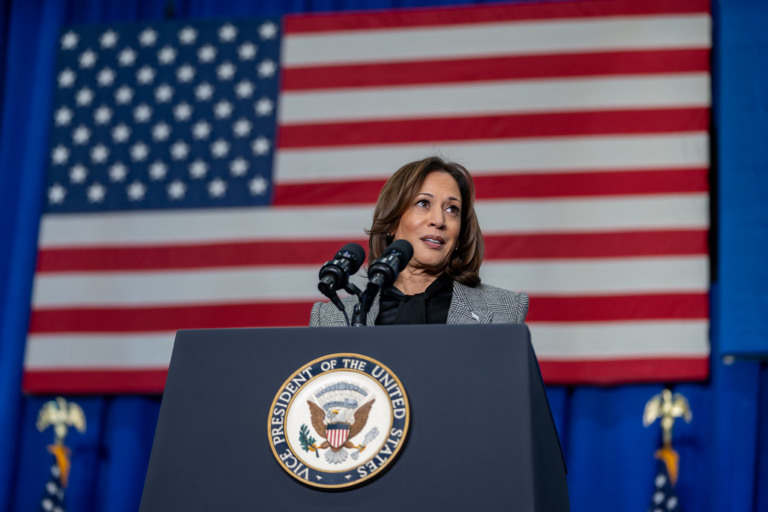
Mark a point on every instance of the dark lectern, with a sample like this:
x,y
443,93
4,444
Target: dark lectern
x,y
481,436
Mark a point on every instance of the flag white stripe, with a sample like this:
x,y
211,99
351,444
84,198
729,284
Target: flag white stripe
x,y
90,351
495,98
505,156
604,340
299,283
318,223
562,342
503,38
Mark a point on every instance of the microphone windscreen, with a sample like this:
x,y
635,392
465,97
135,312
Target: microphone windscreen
x,y
355,254
404,247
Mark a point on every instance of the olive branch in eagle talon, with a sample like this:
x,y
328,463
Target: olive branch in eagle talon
x,y
318,416
307,441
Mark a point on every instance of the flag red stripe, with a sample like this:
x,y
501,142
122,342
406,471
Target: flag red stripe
x,y
493,14
556,124
629,182
615,371
498,247
619,307
104,381
625,371
597,245
495,68
172,318
169,318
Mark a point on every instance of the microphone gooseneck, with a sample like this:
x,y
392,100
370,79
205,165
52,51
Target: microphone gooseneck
x,y
334,275
384,271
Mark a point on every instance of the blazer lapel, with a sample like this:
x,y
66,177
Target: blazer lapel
x,y
467,307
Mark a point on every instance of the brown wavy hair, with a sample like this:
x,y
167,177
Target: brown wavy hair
x,y
395,199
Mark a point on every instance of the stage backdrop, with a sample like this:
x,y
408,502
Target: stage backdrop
x,y
200,173
608,452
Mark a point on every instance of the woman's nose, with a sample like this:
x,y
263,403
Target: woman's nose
x,y
437,218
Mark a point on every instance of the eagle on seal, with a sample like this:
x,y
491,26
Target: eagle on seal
x,y
337,434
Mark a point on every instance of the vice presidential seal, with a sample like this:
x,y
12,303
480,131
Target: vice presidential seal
x,y
338,421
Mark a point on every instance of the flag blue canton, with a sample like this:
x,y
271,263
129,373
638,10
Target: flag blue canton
x,y
53,497
664,498
181,116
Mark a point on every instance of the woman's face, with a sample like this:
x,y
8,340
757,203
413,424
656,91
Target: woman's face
x,y
432,222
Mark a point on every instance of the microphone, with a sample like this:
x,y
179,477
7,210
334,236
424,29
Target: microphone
x,y
384,271
334,275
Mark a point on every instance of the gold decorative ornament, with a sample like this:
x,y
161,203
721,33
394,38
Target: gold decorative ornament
x,y
667,407
61,415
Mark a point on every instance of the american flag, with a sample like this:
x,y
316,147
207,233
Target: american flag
x,y
53,495
664,497
200,173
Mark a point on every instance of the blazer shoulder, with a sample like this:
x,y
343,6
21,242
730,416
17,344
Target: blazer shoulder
x,y
506,305
326,314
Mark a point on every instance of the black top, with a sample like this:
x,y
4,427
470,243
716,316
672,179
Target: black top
x,y
430,307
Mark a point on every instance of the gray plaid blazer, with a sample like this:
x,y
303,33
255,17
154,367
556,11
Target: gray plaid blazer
x,y
480,305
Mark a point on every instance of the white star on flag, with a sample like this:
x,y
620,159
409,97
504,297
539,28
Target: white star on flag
x,y
123,95
78,173
127,57
260,146
217,187
268,30
96,193
136,191
69,40
142,113
166,55
176,189
257,185
198,169
187,35
84,97
264,107
106,77
87,59
63,116
60,155
206,54
120,133
148,37
247,51
220,148
81,135
161,131
204,91
56,193
158,170
67,78
179,150
185,73
108,39
267,68
139,152
145,75
228,33
118,171
102,115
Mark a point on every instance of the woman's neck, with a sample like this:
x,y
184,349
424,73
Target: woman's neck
x,y
412,281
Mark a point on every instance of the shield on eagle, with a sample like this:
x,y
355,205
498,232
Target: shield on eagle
x,y
337,434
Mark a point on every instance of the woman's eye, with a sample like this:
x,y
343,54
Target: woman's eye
x,y
423,203
453,209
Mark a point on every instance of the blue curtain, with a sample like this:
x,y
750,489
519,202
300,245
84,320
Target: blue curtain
x,y
724,451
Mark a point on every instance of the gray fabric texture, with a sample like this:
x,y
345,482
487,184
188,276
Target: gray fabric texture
x,y
483,304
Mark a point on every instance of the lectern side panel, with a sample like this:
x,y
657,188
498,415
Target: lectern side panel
x,y
469,442
551,488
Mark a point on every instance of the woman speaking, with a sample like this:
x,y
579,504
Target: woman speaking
x,y
430,204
